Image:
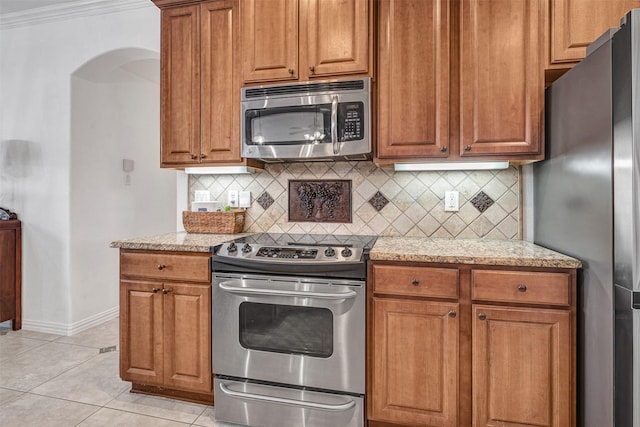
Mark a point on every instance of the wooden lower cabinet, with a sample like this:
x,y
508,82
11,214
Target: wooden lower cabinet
x,y
415,362
497,349
521,367
165,327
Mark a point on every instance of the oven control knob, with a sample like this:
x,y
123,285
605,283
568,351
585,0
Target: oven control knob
x,y
246,248
232,247
346,253
329,252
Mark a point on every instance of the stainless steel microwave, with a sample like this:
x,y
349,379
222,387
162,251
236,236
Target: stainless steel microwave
x,y
327,120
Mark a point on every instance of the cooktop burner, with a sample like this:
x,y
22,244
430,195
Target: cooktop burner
x,y
323,255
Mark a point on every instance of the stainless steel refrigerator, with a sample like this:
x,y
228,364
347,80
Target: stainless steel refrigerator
x,y
587,205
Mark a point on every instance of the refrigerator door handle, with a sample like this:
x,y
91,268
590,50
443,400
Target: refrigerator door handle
x,y
635,300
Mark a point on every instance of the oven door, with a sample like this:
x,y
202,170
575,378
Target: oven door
x,y
288,330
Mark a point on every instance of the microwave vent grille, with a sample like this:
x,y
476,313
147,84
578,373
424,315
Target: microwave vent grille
x,y
262,92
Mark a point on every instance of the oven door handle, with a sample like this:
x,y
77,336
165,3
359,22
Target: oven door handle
x,y
282,293
285,401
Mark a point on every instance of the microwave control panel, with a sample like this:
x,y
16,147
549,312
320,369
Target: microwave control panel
x,y
351,122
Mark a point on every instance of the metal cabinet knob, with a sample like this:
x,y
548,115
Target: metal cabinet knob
x,y
193,157
415,282
467,148
312,69
452,313
443,149
291,71
203,156
166,291
482,316
155,290
522,287
161,266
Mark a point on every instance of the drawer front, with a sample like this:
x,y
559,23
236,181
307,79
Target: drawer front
x,y
189,267
521,287
419,281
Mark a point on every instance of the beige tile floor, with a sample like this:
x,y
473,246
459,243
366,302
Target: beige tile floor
x,y
58,381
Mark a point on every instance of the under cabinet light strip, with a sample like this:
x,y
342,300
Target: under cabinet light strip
x,y
450,166
219,170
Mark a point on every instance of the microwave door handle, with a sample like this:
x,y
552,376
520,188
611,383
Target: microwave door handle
x,y
334,125
273,399
226,286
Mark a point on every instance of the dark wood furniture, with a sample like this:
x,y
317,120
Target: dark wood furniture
x,y
11,273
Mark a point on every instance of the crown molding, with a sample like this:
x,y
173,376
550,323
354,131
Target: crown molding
x,y
64,11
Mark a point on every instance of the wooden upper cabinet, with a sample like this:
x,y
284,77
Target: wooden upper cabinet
x,y
501,78
305,39
574,24
269,40
413,78
200,83
522,367
220,84
180,85
337,37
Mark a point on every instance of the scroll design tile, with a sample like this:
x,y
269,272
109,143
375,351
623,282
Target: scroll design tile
x,y
482,201
378,201
320,200
265,200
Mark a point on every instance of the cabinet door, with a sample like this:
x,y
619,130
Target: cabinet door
x,y
501,78
220,103
413,78
180,85
574,24
141,332
415,363
269,40
187,336
522,370
338,37
7,275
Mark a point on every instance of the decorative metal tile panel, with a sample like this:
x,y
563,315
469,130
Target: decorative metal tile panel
x,y
265,200
378,201
482,201
320,201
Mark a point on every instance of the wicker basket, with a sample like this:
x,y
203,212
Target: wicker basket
x,y
213,222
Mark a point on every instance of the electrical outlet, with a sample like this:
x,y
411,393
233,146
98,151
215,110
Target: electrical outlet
x,y
451,199
233,198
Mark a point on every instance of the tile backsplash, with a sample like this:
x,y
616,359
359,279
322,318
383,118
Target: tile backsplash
x,y
384,202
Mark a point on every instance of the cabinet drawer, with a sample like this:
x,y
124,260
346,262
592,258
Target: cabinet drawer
x,y
190,267
420,281
521,287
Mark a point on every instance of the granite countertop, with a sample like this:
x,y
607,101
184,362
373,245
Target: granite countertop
x,y
469,251
179,241
415,249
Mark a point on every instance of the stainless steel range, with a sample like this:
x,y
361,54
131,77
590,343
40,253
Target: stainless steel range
x,y
289,330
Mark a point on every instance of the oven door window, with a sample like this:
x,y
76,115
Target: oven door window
x,y
306,124
286,329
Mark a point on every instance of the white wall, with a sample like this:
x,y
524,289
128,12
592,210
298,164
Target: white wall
x,y
36,65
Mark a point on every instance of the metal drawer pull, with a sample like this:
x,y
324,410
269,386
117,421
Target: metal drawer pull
x,y
453,313
415,282
284,401
279,292
161,266
482,316
522,287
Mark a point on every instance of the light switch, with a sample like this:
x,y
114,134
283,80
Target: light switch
x,y
233,198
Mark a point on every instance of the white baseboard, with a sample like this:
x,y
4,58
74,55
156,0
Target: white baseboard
x,y
72,328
